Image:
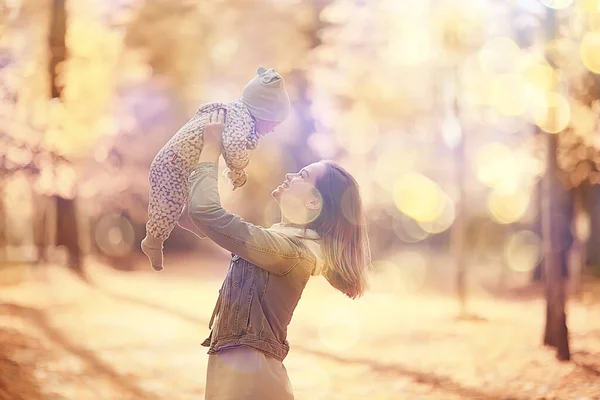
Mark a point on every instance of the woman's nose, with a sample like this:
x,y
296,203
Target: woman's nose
x,y
288,176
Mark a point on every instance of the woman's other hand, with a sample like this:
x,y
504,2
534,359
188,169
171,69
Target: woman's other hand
x,y
213,137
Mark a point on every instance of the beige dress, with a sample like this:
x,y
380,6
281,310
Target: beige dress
x,y
244,373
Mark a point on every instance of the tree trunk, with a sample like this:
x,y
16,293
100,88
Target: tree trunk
x,y
458,233
57,45
593,249
67,233
538,271
556,245
555,255
40,227
554,232
3,237
580,229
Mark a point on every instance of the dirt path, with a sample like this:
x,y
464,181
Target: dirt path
x,y
137,336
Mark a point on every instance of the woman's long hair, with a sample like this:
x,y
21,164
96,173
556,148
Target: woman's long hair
x,y
343,230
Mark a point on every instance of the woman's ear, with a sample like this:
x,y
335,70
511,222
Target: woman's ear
x,y
314,204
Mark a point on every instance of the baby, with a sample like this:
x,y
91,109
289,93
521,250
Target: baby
x,y
264,105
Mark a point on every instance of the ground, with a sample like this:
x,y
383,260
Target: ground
x,y
136,335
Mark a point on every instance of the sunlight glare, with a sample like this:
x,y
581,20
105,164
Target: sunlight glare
x,y
339,328
310,379
508,94
388,166
357,131
499,55
412,271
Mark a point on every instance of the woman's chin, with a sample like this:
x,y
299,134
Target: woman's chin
x,y
276,194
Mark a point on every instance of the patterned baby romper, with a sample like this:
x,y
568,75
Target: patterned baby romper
x,y
172,166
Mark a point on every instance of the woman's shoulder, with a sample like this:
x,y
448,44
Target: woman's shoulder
x,y
308,239
296,233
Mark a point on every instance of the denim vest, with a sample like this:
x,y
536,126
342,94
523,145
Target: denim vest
x,y
268,271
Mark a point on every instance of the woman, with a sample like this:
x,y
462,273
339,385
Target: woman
x,y
270,268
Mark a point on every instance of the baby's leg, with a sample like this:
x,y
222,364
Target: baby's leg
x,y
153,249
168,195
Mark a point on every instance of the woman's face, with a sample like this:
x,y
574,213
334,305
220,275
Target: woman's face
x,y
297,196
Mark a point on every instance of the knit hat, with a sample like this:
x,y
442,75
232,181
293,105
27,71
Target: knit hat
x,y
266,97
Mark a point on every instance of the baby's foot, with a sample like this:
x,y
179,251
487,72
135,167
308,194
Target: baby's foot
x,y
153,249
186,222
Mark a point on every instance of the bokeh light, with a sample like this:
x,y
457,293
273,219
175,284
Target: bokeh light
x,y
509,94
475,82
508,208
224,50
594,21
65,180
388,166
444,220
114,235
538,74
418,197
452,131
523,251
590,51
357,132
550,111
409,45
557,4
499,55
401,273
498,167
408,230
582,226
590,6
323,144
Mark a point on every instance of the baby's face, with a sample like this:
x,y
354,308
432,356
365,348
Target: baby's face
x,y
263,127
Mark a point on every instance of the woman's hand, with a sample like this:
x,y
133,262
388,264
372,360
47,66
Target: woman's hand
x,y
212,137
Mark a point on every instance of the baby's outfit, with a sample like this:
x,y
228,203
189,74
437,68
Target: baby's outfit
x,y
263,97
173,164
